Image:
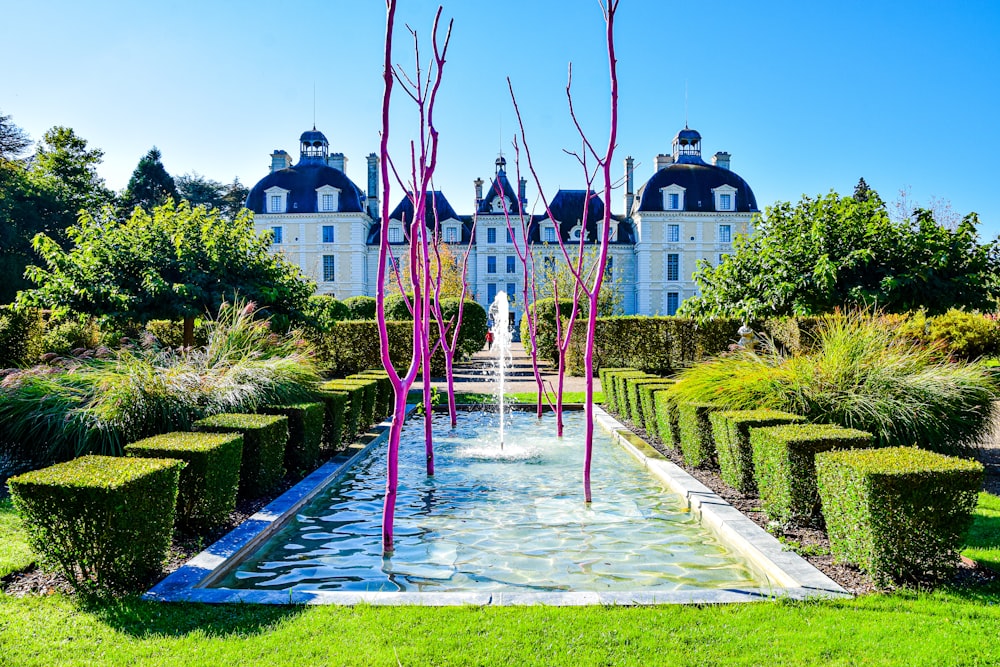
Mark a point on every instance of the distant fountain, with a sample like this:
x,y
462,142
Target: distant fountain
x,y
500,349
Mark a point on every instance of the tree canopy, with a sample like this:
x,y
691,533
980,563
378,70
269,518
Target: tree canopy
x,y
203,191
13,140
150,184
177,262
828,252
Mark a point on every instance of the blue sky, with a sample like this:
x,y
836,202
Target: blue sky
x,y
806,96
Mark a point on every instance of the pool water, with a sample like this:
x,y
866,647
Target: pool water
x,y
496,519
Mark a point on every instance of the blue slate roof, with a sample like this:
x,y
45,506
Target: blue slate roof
x,y
500,184
698,179
437,206
301,181
567,209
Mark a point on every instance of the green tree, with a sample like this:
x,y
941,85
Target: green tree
x,y
200,190
23,208
13,140
177,262
234,198
150,185
828,252
64,166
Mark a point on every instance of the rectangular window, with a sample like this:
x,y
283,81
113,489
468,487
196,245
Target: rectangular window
x,y
725,202
673,233
511,265
327,233
673,266
395,235
674,200
328,202
508,235
491,265
550,234
275,204
550,266
451,235
491,292
725,233
491,237
722,257
511,292
609,268
276,233
673,300
329,274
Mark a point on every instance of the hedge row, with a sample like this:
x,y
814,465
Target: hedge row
x,y
264,439
731,431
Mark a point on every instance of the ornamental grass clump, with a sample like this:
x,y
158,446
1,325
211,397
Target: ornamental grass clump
x,y
858,374
98,404
898,513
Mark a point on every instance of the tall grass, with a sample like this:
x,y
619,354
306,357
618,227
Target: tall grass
x,y
861,374
98,404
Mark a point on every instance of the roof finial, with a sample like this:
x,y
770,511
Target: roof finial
x,y
685,103
314,106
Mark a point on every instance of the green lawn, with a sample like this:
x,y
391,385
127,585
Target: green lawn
x,y
982,544
14,552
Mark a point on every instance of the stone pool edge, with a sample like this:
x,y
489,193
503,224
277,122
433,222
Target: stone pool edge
x,y
792,576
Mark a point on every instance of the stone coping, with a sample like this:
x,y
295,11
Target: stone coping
x,y
787,574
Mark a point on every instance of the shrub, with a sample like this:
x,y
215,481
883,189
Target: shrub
x,y
473,332
384,393
107,520
171,332
958,334
861,375
360,307
604,375
63,337
18,330
396,308
322,310
785,468
305,434
264,441
616,402
618,382
667,426
351,347
208,482
335,403
696,441
646,392
794,335
369,387
898,513
731,430
632,386
353,409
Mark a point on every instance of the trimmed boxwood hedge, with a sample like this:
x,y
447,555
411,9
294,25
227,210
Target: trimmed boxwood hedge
x,y
667,427
696,441
108,518
632,386
305,434
785,467
264,441
731,430
898,513
646,392
607,386
208,482
366,407
352,409
616,385
383,391
335,403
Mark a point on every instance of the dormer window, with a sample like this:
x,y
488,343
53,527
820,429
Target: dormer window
x,y
277,200
501,204
673,198
327,199
549,233
451,234
725,196
395,234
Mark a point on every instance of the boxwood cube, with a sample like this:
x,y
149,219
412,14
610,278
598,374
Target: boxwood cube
x,y
632,385
335,403
785,466
208,483
898,513
696,441
264,441
667,426
731,430
646,392
305,434
352,408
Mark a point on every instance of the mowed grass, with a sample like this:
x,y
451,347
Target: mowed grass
x,y
944,628
15,555
982,544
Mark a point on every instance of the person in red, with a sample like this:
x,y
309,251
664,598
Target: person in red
x,y
489,340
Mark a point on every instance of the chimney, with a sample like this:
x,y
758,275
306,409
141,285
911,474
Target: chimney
x,y
522,191
663,160
721,159
337,161
373,185
479,191
280,160
629,184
